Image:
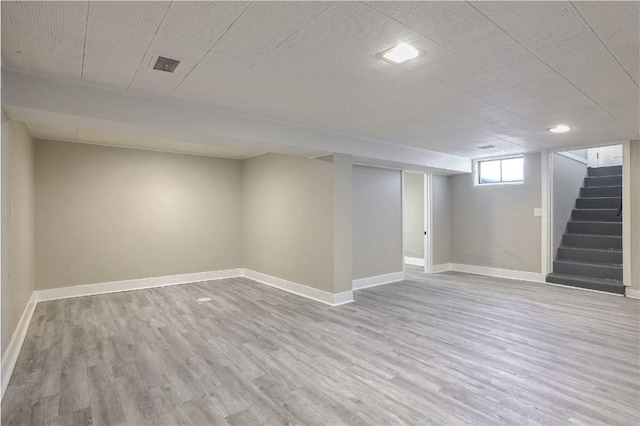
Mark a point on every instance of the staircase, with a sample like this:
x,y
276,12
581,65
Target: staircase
x,y
590,255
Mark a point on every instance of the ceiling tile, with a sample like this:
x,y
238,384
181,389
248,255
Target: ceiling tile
x,y
60,63
141,16
218,13
190,30
11,55
617,26
34,35
348,19
109,66
49,15
117,35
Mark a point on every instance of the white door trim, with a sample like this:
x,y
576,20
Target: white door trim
x,y
626,213
547,254
428,223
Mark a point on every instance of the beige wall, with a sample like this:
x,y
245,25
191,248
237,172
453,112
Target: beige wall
x,y
494,225
634,164
413,215
441,211
377,221
288,219
17,224
109,214
568,178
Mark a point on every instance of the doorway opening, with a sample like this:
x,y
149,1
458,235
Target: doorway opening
x,y
417,221
586,218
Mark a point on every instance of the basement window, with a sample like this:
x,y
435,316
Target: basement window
x,y
501,170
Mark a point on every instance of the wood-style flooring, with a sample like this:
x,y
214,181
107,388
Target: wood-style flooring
x,y
451,349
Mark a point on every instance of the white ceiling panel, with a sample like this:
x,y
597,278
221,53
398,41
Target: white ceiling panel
x,y
143,16
52,15
59,63
11,55
487,71
348,19
34,35
616,25
117,35
190,30
218,13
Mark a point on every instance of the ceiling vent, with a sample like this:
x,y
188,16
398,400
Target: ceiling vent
x,y
166,64
486,146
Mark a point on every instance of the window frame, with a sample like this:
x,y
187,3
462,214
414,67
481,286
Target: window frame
x,y
477,166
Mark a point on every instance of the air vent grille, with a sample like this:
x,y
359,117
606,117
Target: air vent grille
x,y
166,64
486,146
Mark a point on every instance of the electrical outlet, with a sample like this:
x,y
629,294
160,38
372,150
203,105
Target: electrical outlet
x,y
537,212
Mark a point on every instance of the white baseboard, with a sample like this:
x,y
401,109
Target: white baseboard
x,y
300,289
378,280
632,293
499,273
137,284
444,267
416,261
10,356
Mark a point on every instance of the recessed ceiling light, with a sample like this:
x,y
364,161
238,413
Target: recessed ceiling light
x,y
560,128
401,53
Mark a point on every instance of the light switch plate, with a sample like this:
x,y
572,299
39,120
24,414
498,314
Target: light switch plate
x,y
537,212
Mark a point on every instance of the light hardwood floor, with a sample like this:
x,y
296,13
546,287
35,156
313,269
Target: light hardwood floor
x,y
445,349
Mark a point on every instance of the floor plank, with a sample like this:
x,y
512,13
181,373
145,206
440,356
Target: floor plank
x,y
450,348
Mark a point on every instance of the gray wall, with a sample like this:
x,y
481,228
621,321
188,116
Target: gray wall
x,y
377,221
441,213
413,215
568,177
17,224
494,225
288,219
108,214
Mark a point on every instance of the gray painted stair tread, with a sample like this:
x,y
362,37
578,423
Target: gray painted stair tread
x,y
599,264
600,284
450,348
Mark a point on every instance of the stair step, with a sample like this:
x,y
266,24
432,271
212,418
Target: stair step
x,y
592,241
599,203
601,191
604,171
610,286
597,215
594,227
603,181
579,254
587,269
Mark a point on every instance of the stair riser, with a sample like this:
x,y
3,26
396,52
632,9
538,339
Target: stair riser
x,y
601,191
598,203
591,286
589,241
576,227
597,215
605,171
596,271
567,253
603,181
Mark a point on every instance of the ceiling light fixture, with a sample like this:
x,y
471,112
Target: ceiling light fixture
x,y
560,128
401,53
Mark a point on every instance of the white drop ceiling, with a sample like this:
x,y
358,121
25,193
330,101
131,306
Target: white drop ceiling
x,y
489,73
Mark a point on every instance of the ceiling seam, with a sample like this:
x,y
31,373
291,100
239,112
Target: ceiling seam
x,y
144,56
229,28
554,70
210,49
84,43
604,44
